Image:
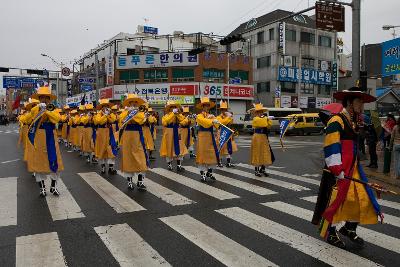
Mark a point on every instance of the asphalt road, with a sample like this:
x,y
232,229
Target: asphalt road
x,y
239,220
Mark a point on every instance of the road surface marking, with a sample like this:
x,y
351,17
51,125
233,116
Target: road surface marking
x,y
308,245
128,247
64,206
284,174
242,185
196,185
312,175
113,196
8,161
389,204
8,201
222,248
39,250
165,194
373,237
268,180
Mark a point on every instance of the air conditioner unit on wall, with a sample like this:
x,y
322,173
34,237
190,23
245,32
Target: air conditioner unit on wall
x,y
288,61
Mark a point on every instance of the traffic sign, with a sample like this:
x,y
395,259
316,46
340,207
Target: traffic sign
x,y
329,16
65,71
86,80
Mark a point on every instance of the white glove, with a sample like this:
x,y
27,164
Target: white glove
x,y
107,112
215,121
340,176
228,114
175,110
42,106
130,108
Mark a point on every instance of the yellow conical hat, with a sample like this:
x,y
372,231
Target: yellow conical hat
x,y
205,101
132,98
44,91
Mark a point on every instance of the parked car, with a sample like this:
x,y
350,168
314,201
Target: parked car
x,y
305,124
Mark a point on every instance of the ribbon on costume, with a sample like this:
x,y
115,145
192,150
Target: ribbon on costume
x,y
175,128
34,127
50,145
112,142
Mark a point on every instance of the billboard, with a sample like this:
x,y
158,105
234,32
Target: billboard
x,y
391,57
178,59
313,76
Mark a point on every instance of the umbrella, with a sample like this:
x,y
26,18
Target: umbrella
x,y
333,108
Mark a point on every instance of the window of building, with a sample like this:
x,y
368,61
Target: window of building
x,y
329,65
182,75
260,37
263,87
156,75
288,87
263,62
128,76
290,35
243,75
307,62
213,75
324,41
324,89
271,34
307,88
307,37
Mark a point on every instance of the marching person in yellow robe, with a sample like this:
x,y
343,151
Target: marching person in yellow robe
x,y
46,157
72,128
186,131
152,122
63,117
261,152
87,135
148,137
134,158
26,120
80,129
106,147
172,146
65,127
115,111
206,147
226,118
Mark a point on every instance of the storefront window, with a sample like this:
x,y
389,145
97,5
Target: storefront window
x,y
288,87
213,75
128,76
307,88
156,75
182,75
243,75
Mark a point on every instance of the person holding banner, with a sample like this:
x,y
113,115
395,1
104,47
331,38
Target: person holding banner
x,y
226,119
105,148
172,145
46,158
186,131
152,122
134,158
206,147
261,152
341,198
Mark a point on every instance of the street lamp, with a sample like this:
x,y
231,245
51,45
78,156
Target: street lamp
x,y
388,27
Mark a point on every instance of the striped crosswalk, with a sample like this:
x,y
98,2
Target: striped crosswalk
x,y
8,201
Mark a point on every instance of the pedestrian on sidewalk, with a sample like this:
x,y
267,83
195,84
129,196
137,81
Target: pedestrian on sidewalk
x,y
372,140
395,147
388,127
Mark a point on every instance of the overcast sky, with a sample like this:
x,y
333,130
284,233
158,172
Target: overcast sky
x,y
67,29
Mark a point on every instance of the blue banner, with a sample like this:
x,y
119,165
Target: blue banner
x,y
22,82
283,127
291,74
151,30
391,57
224,135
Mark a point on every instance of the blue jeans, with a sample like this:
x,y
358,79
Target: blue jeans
x,y
396,153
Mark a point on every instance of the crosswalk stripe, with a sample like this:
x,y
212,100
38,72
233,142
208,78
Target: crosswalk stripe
x,y
196,185
222,248
376,238
128,247
39,250
8,201
268,180
113,196
64,206
308,245
285,175
389,204
165,194
389,219
245,186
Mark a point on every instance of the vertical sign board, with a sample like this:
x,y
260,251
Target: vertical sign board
x,y
335,76
329,16
282,38
391,57
110,69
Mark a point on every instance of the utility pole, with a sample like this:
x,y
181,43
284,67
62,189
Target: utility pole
x,y
356,6
96,64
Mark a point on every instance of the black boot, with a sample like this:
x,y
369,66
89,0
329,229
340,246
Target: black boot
x,y
257,172
130,183
111,169
334,239
210,175
103,168
263,171
53,188
42,188
179,167
170,166
192,155
94,160
140,184
151,155
229,163
203,176
349,230
219,165
88,159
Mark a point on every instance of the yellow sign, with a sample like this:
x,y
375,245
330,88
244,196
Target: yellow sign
x,y
277,102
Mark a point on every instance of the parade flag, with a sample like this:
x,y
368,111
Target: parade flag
x,y
83,100
17,102
224,135
283,127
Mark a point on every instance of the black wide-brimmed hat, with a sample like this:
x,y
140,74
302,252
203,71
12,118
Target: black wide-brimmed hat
x,y
354,92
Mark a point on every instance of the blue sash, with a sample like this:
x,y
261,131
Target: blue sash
x,y
68,129
229,146
211,130
175,127
152,129
116,126
137,127
34,127
94,133
188,136
50,145
112,142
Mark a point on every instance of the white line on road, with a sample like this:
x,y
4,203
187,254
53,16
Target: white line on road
x,y
316,175
308,245
8,201
39,250
128,247
242,185
113,196
9,161
165,194
284,174
268,180
64,206
196,185
376,238
222,248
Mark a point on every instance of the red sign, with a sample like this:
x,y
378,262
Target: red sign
x,y
239,91
106,93
183,89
